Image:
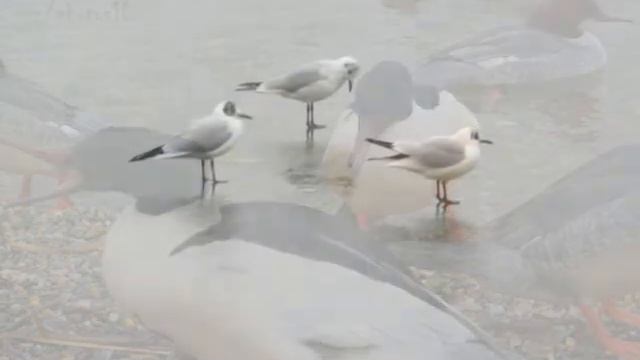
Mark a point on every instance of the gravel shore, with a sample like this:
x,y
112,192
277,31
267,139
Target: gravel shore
x,y
57,307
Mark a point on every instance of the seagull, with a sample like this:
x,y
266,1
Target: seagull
x,y
206,139
440,158
269,280
310,83
38,129
387,104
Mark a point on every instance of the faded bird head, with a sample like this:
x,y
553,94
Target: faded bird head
x,y
351,68
228,108
468,134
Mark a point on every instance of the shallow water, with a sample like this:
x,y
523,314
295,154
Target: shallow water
x,y
159,64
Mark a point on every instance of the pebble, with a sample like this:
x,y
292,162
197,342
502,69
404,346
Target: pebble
x,y
113,317
15,309
514,340
83,304
495,309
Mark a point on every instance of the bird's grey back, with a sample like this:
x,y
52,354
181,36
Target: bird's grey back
x,y
601,229
296,80
470,62
312,234
26,95
209,136
518,41
439,153
601,180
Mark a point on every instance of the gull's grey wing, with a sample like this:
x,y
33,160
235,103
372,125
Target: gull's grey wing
x,y
55,113
603,180
313,234
206,137
26,95
509,41
438,153
296,80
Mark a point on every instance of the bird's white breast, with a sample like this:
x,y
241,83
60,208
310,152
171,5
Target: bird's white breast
x,y
233,299
472,154
236,127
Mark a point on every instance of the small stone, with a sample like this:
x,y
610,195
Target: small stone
x,y
129,322
83,304
469,304
551,313
570,343
15,309
113,317
495,309
523,308
514,341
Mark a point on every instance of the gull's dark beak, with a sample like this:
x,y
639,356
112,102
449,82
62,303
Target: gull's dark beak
x,y
243,116
350,85
485,141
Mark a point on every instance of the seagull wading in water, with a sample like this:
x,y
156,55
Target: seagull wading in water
x,y
206,139
310,83
440,158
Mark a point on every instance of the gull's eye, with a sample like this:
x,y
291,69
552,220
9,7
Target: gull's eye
x,y
475,135
229,108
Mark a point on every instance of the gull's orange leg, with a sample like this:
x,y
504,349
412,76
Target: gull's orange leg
x,y
25,188
492,96
363,221
626,350
621,315
63,202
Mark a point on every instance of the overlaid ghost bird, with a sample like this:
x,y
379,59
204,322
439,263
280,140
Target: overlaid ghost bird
x,y
112,148
387,105
310,83
39,143
440,158
205,139
575,243
265,281
384,96
550,46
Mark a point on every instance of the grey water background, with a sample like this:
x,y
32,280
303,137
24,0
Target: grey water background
x,y
159,64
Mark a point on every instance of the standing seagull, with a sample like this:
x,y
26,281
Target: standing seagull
x,y
310,83
441,158
206,138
